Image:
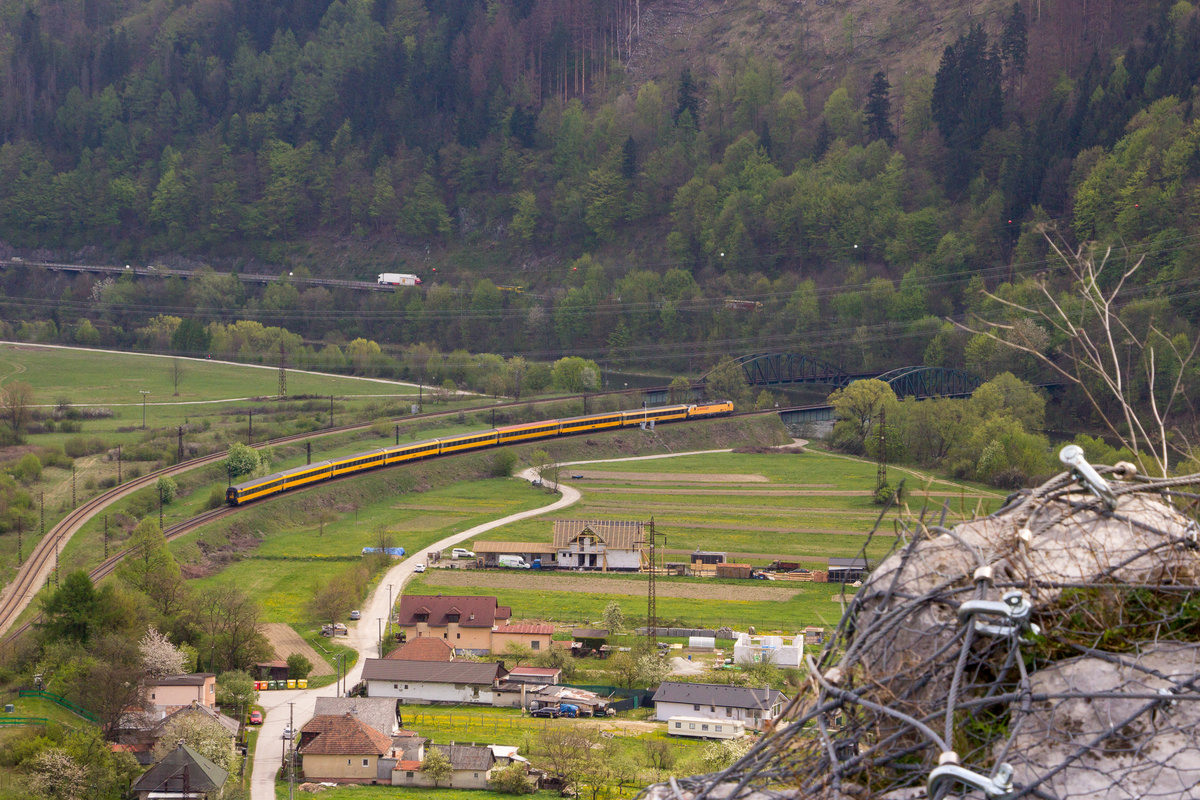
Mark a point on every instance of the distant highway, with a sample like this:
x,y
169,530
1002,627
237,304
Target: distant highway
x,y
155,271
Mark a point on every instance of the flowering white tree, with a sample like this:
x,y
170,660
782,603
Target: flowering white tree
x,y
201,733
54,773
159,656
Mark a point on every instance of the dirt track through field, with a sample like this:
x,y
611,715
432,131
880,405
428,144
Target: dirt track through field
x,y
671,477
527,580
286,641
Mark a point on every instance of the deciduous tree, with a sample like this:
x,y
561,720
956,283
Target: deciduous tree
x,y
437,765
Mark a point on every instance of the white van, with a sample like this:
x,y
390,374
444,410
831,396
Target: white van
x,y
704,728
512,562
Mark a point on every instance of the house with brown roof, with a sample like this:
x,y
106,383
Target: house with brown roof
x,y
426,648
472,765
426,682
173,692
380,713
464,622
603,545
183,774
342,749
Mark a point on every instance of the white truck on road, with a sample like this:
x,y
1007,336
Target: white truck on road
x,y
397,279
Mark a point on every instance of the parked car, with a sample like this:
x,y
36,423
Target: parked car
x,y
287,732
356,614
545,711
419,568
461,552
256,718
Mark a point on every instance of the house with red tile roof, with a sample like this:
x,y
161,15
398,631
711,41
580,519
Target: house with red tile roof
x,y
427,648
342,749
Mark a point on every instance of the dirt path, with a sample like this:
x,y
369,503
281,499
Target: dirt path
x,y
672,477
286,641
589,585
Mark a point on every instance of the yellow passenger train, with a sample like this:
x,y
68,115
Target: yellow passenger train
x,y
258,488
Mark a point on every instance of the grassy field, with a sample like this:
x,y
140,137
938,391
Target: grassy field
x,y
283,568
807,506
809,604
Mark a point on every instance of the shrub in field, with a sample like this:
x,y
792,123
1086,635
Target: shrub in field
x,y
513,779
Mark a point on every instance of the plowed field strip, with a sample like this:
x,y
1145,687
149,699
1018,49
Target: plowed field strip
x,y
549,583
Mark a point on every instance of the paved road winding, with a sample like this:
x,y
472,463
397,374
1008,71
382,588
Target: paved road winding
x,y
364,637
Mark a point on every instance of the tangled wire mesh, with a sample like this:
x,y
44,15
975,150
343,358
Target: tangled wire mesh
x,y
1049,650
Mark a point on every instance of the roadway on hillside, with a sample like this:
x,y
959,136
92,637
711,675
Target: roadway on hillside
x,y
296,705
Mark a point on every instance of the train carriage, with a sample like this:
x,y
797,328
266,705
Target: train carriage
x,y
359,462
411,452
591,422
470,441
276,482
660,414
532,430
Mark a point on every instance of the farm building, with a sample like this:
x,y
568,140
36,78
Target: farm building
x,y
490,552
534,635
612,545
425,682
847,570
718,701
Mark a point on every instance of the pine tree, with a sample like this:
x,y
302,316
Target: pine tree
x,y
687,99
878,110
1014,41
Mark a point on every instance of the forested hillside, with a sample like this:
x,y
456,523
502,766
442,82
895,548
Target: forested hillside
x,y
853,172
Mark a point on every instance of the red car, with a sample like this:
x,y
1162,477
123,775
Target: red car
x,y
256,718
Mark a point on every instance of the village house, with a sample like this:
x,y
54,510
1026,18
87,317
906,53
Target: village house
x,y
469,625
606,546
472,765
183,774
173,692
379,713
426,682
425,648
465,623
341,749
718,701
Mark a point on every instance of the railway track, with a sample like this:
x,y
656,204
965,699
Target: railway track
x,y
35,571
